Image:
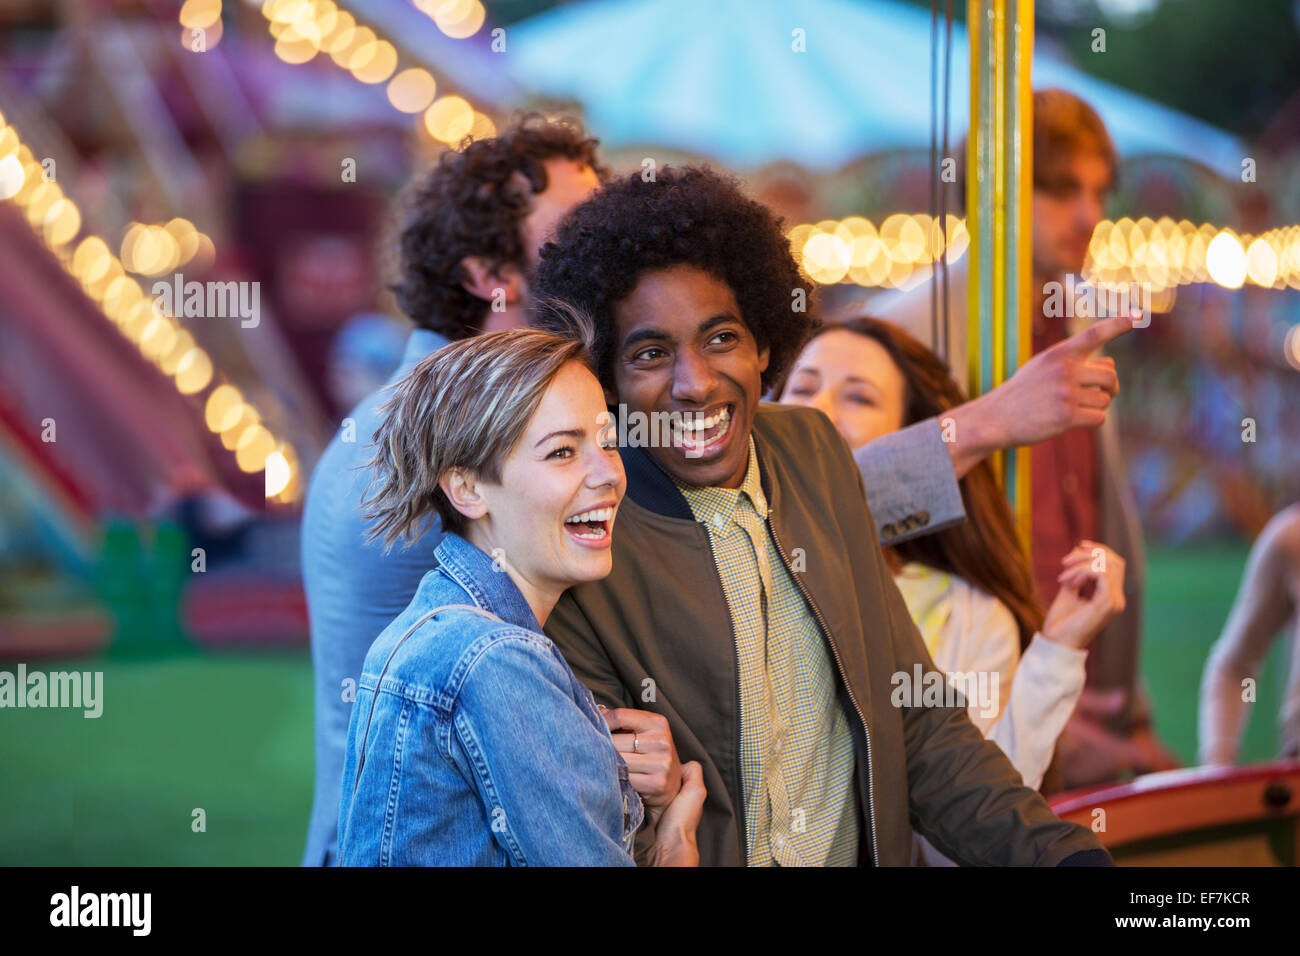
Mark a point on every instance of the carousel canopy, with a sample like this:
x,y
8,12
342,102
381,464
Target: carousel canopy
x,y
722,79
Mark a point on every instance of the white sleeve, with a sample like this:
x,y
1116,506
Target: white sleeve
x,y
1042,699
1036,696
990,649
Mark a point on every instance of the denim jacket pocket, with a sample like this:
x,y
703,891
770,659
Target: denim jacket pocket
x,y
633,808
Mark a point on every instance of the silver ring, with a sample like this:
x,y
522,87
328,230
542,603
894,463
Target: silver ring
x,y
636,743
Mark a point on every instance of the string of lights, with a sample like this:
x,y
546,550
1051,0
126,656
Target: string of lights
x,y
855,249
458,19
1162,254
305,29
145,250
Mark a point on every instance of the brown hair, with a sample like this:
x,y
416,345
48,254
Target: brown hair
x,y
1063,125
465,406
473,203
984,550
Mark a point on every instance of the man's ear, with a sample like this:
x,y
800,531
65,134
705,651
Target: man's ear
x,y
464,493
505,284
764,356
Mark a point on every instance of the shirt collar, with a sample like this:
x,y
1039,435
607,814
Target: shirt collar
x,y
753,483
719,504
487,583
651,486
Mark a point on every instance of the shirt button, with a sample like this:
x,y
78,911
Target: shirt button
x,y
778,841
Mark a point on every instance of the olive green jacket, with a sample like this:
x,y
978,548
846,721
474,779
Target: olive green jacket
x,y
657,635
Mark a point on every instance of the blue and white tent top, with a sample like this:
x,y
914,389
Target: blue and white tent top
x,y
721,78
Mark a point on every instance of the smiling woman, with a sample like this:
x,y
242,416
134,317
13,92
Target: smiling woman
x,y
502,436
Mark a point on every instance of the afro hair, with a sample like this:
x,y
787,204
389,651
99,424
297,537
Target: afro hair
x,y
682,216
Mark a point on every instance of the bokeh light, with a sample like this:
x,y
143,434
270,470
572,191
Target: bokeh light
x,y
449,119
1225,261
411,91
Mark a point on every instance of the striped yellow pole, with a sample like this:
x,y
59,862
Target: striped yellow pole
x,y
999,177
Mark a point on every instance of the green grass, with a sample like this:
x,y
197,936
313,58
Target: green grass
x,y
232,734
228,733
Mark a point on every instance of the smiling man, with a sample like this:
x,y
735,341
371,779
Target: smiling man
x,y
749,601
716,394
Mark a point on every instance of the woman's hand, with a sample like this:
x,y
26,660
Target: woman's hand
x,y
646,743
675,832
1091,595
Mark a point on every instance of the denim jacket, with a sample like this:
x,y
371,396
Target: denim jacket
x,y
483,749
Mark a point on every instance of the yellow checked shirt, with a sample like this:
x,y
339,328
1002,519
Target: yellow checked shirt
x,y
796,746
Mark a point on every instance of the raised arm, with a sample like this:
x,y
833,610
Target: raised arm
x,y
911,475
1036,692
1052,671
964,794
1062,387
910,484
1262,607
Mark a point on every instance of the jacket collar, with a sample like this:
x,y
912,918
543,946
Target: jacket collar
x,y
651,487
489,586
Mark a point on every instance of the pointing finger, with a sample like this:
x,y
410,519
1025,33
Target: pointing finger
x,y
1097,335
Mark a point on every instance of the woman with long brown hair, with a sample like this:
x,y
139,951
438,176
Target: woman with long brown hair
x,y
968,587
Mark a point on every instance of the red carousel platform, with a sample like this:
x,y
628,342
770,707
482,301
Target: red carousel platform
x,y
1200,816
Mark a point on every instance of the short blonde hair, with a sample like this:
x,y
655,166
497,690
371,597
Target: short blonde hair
x,y
465,406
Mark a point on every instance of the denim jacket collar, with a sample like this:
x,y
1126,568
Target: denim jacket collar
x,y
489,585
